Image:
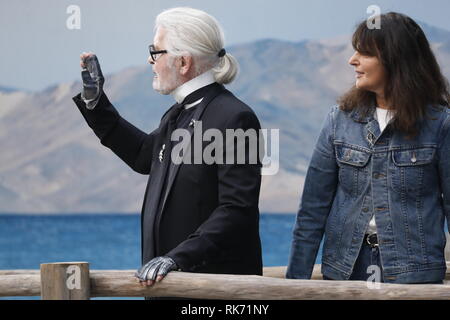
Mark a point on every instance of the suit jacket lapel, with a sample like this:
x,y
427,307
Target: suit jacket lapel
x,y
153,193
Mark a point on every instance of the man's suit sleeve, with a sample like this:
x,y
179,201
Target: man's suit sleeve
x,y
236,216
128,142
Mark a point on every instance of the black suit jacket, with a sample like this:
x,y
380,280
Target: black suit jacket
x,y
207,220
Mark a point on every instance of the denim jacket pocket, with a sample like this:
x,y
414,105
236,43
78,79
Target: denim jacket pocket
x,y
407,171
353,170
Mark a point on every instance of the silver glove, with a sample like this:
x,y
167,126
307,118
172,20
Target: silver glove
x,y
159,266
92,81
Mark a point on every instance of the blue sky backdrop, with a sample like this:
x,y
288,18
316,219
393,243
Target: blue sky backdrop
x,y
38,50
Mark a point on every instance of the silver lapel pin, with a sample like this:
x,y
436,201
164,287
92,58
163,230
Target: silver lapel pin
x,y
192,123
161,153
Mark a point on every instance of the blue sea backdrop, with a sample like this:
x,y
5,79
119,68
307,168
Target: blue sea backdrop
x,y
106,241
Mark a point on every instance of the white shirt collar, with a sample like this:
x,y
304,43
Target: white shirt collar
x,y
192,85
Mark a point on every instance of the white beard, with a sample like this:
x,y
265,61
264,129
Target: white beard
x,y
168,84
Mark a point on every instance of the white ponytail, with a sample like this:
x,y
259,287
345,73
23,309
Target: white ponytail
x,y
226,70
194,32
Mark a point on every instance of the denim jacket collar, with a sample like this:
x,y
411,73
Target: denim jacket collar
x,y
367,115
358,115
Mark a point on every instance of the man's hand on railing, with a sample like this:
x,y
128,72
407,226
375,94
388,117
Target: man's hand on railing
x,y
155,270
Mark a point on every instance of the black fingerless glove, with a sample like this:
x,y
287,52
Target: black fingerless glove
x,y
92,82
159,266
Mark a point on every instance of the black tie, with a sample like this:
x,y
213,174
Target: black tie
x,y
175,112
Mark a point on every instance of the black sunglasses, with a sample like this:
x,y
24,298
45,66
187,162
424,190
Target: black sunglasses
x,y
155,54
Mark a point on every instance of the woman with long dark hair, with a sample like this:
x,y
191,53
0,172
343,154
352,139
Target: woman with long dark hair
x,y
378,184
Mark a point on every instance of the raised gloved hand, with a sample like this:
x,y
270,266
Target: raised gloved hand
x,y
155,270
93,79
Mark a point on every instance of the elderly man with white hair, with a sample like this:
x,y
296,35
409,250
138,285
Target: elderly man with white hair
x,y
196,216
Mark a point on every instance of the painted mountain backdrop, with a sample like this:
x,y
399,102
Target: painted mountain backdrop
x,y
51,162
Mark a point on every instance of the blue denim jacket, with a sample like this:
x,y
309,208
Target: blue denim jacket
x,y
356,172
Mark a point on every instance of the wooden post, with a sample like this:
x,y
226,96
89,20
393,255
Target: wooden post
x,y
65,281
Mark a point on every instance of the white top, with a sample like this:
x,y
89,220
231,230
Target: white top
x,y
383,116
192,85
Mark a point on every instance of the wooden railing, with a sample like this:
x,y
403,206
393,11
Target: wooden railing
x,y
73,281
